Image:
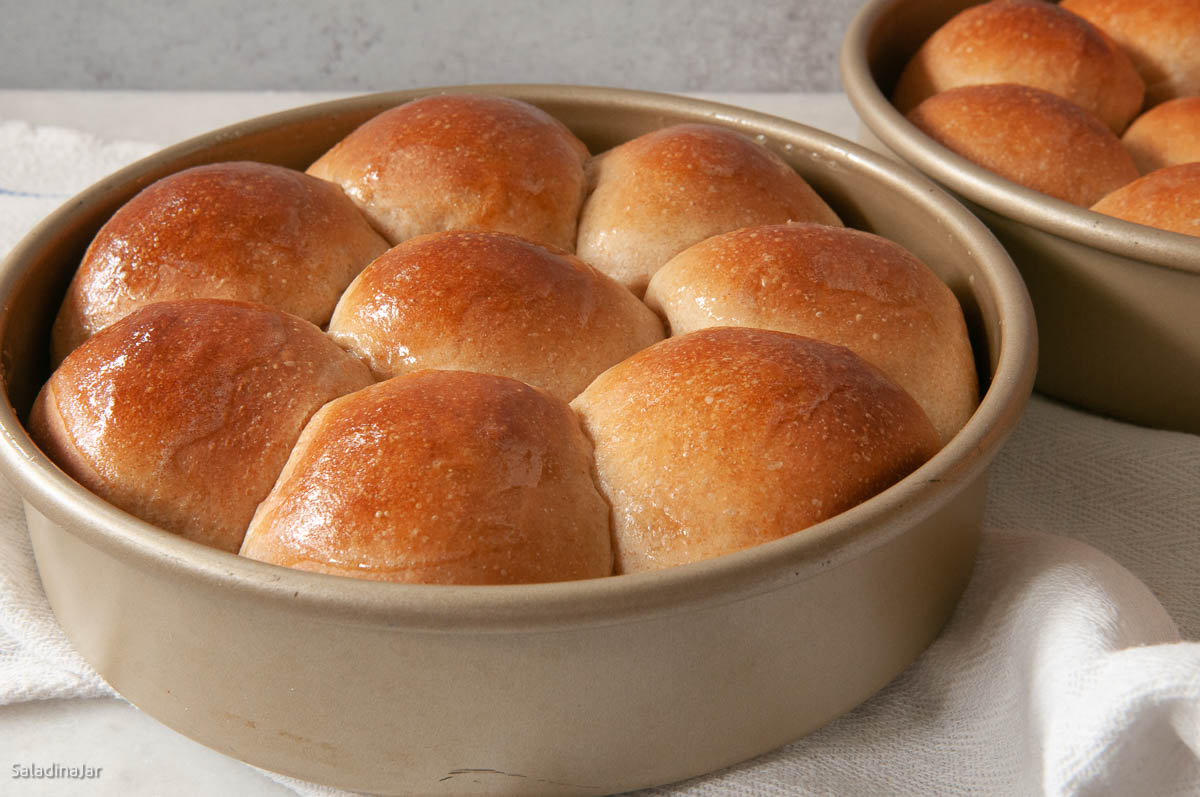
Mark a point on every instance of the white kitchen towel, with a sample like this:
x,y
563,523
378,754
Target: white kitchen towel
x,y
40,168
1061,672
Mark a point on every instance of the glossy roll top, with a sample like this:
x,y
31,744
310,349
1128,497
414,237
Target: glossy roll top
x,y
1166,135
462,161
238,230
1160,37
834,284
658,194
1167,198
446,477
491,302
183,413
1031,43
1029,136
729,437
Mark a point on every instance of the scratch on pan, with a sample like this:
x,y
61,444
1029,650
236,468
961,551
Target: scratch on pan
x,y
470,771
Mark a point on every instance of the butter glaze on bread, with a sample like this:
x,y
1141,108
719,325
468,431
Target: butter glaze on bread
x,y
1166,135
241,230
183,413
1162,37
834,284
439,477
1167,198
495,303
1031,137
1031,43
658,194
463,161
728,437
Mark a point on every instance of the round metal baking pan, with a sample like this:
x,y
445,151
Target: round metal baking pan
x,y
584,687
1116,302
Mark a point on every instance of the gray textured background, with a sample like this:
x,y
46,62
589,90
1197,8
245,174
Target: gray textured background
x,y
668,45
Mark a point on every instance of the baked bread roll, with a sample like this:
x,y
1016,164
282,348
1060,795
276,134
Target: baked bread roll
x,y
1168,198
1166,135
245,231
1031,137
1160,37
439,477
462,161
1028,42
183,413
834,284
658,194
725,438
494,303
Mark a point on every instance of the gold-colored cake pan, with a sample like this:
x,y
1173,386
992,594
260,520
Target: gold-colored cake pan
x,y
584,687
1117,303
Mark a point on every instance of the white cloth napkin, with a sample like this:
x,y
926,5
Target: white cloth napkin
x,y
1061,673
40,168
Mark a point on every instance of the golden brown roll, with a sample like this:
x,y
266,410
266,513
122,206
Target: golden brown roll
x,y
245,231
1032,43
1031,137
463,161
834,284
183,413
1168,198
1160,37
725,438
658,194
495,303
1166,135
439,477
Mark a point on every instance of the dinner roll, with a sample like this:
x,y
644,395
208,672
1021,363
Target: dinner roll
x,y
1031,137
439,477
183,413
463,161
1160,37
495,303
1165,135
246,231
1168,198
1032,43
660,193
728,437
834,284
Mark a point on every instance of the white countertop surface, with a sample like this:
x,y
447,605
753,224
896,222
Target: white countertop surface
x,y
136,754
